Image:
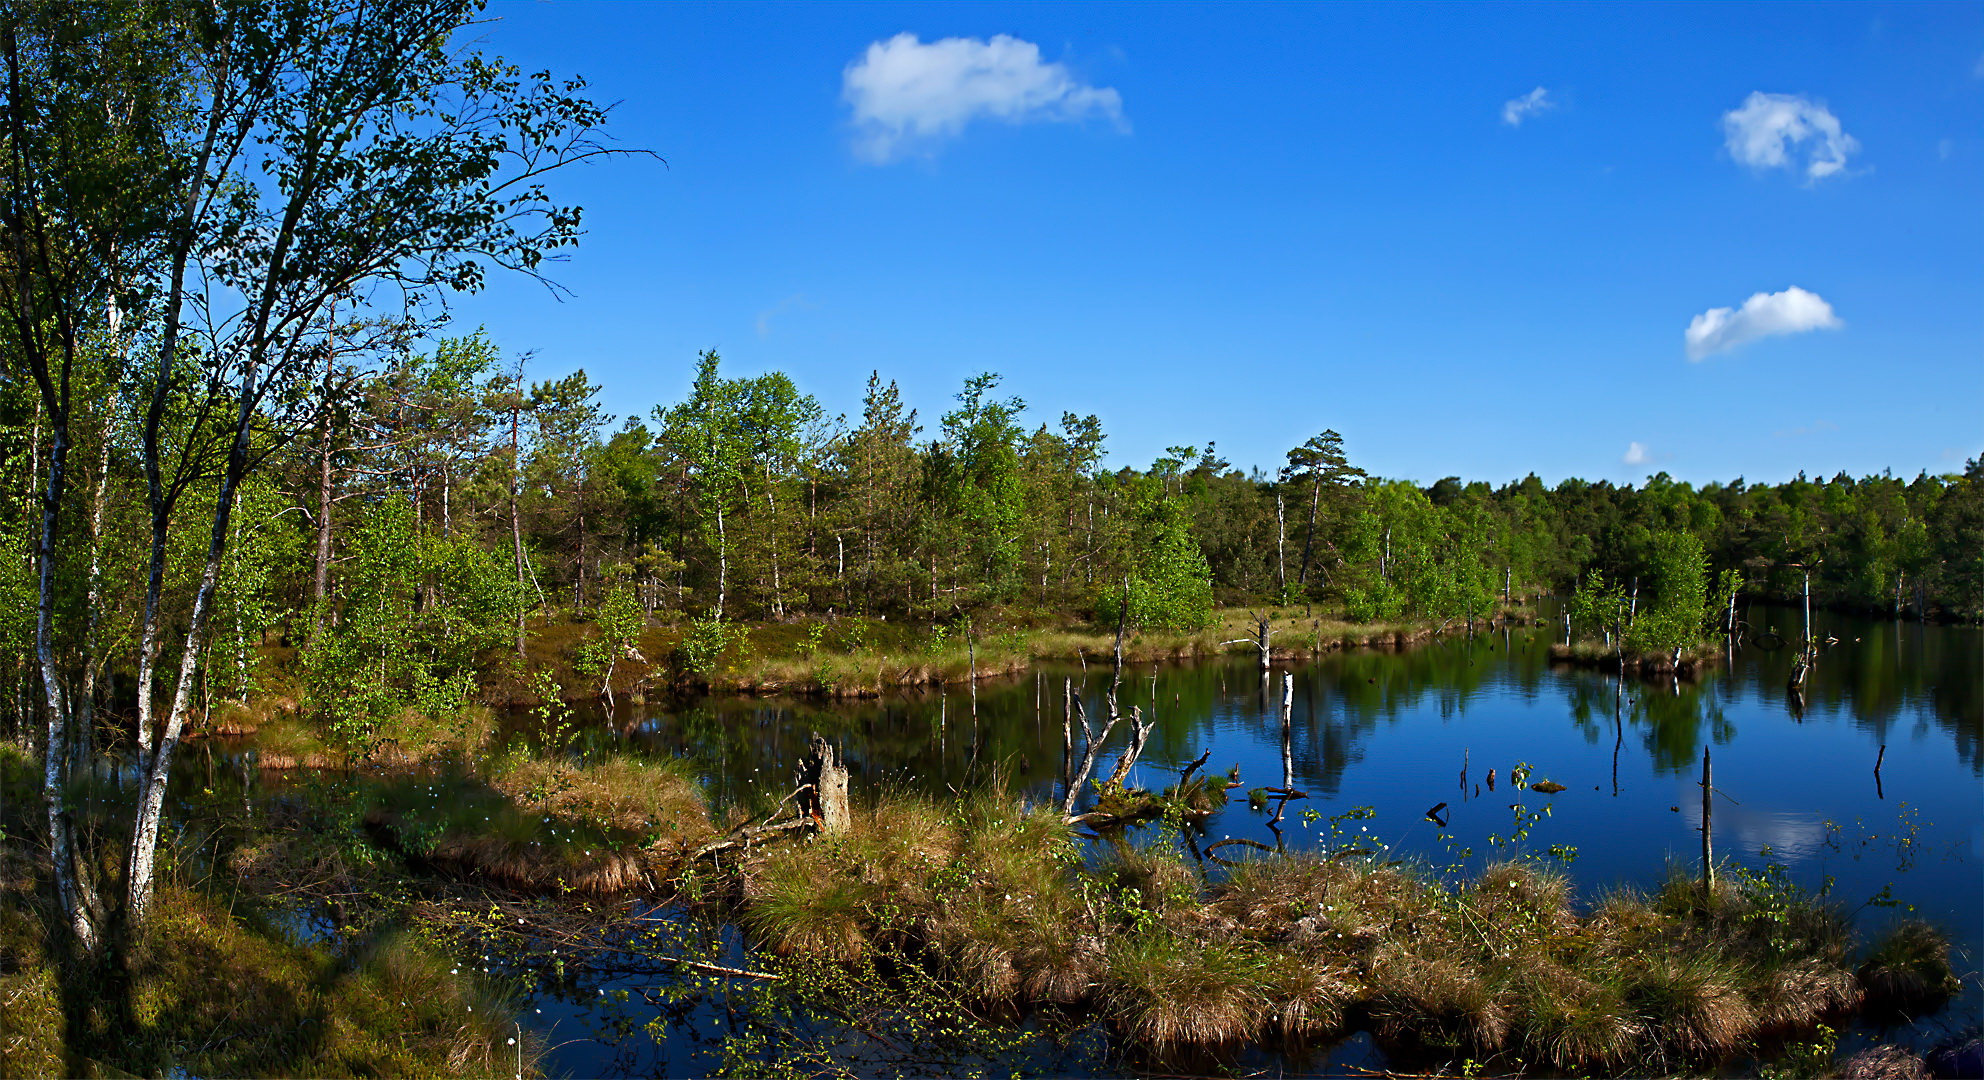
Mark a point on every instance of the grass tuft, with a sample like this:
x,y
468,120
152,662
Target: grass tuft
x,y
1908,968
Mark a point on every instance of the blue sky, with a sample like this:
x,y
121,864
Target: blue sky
x,y
1250,223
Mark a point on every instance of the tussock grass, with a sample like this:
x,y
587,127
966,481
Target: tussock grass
x,y
795,908
285,741
1908,967
1884,1063
1167,991
1296,947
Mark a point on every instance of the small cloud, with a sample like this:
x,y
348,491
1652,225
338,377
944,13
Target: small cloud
x,y
797,301
909,96
1977,69
1793,311
1813,428
1769,129
1943,148
1636,454
1515,110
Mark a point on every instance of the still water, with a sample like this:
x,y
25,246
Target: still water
x,y
1393,731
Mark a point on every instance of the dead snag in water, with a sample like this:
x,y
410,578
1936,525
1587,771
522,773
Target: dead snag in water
x,y
1139,732
824,772
1091,749
1708,835
1186,773
1262,640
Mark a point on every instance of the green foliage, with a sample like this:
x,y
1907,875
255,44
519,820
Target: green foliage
x,y
617,623
704,645
973,475
1169,585
417,614
1598,607
1681,605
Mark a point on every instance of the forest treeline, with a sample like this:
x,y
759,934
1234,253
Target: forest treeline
x,y
443,499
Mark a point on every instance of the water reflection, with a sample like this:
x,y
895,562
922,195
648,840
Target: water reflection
x,y
1401,731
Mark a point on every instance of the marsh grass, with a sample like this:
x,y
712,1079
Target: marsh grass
x,y
1908,969
1505,965
602,839
997,901
286,741
654,798
859,657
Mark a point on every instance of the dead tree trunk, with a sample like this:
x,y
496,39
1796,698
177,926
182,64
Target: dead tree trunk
x,y
1067,739
1708,836
1139,732
1280,546
1092,742
824,776
1287,730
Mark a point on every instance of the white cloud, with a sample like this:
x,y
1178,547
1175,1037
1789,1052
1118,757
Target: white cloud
x,y
909,96
1943,148
1515,110
1769,130
1793,311
1636,454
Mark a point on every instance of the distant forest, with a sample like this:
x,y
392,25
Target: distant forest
x,y
444,493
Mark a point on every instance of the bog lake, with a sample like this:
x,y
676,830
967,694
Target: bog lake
x,y
1391,731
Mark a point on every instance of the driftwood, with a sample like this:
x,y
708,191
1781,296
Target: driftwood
x,y
716,969
1092,741
744,838
1210,848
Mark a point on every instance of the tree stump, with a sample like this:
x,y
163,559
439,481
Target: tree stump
x,y
825,773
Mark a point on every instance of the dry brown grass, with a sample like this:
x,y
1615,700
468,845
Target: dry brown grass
x,y
515,864
1438,1000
